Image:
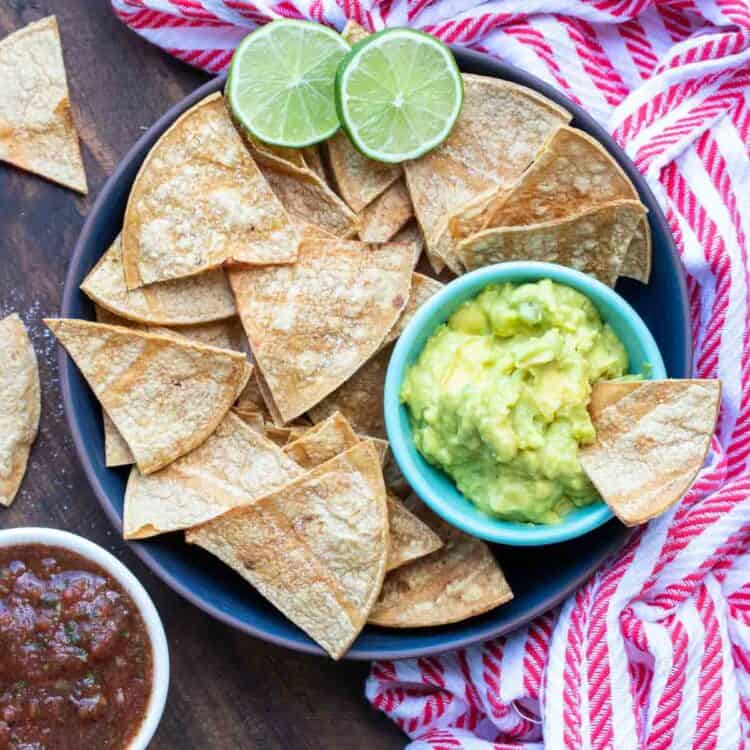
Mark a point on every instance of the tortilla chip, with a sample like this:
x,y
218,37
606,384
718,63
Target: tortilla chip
x,y
381,219
608,392
313,324
197,299
422,288
165,395
501,129
234,466
353,32
410,538
322,442
316,548
37,132
255,420
651,441
20,405
573,174
314,162
637,263
360,398
461,580
273,156
594,242
359,180
199,201
277,435
381,447
412,235
309,200
116,450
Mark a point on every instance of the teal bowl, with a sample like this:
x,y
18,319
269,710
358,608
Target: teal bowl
x,y
435,487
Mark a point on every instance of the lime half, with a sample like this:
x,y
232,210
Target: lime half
x,y
398,94
281,82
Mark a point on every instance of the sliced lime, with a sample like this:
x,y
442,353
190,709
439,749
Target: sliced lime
x,y
281,82
398,94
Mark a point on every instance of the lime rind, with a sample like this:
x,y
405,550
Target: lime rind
x,y
280,86
407,61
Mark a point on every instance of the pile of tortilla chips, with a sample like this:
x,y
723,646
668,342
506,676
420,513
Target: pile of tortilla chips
x,y
246,315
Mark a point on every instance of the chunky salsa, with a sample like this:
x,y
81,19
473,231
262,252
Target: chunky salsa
x,y
76,659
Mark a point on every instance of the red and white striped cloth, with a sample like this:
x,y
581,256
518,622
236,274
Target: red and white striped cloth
x,y
654,651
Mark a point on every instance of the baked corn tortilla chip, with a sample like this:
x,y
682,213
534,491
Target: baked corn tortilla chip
x,y
116,450
200,201
360,398
651,441
20,405
501,129
234,466
574,173
387,214
308,200
165,395
273,156
314,161
411,235
353,32
460,580
410,538
37,132
259,543
637,263
313,324
316,548
196,299
422,288
255,420
322,442
359,180
594,242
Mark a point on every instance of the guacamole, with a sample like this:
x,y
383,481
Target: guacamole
x,y
498,396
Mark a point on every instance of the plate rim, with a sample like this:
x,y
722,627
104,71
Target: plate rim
x,y
464,58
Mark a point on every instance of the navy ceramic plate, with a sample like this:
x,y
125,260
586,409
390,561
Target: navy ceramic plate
x,y
539,581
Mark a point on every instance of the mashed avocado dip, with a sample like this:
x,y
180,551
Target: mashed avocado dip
x,y
498,396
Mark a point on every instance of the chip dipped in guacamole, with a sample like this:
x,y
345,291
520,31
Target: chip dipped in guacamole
x,y
498,397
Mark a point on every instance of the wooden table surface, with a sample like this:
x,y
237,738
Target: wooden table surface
x,y
228,690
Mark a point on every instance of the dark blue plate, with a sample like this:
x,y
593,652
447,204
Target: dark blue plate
x,y
539,581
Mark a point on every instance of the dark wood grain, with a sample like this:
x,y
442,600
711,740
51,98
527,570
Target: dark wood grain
x,y
228,690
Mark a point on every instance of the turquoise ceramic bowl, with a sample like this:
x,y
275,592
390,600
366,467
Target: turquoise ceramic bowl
x,y
431,484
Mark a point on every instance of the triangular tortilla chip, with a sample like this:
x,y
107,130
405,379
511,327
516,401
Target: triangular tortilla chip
x,y
234,466
314,162
573,174
116,451
37,132
461,580
274,156
422,288
200,201
594,242
20,405
309,200
410,538
651,441
387,214
412,235
359,180
322,442
360,398
316,548
381,447
165,395
353,32
313,324
501,129
196,299
637,263
255,420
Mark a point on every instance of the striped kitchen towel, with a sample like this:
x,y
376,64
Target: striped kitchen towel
x,y
654,651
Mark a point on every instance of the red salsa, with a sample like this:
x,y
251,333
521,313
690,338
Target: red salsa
x,y
75,657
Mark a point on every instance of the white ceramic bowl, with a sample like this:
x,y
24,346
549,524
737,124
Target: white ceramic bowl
x,y
154,627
